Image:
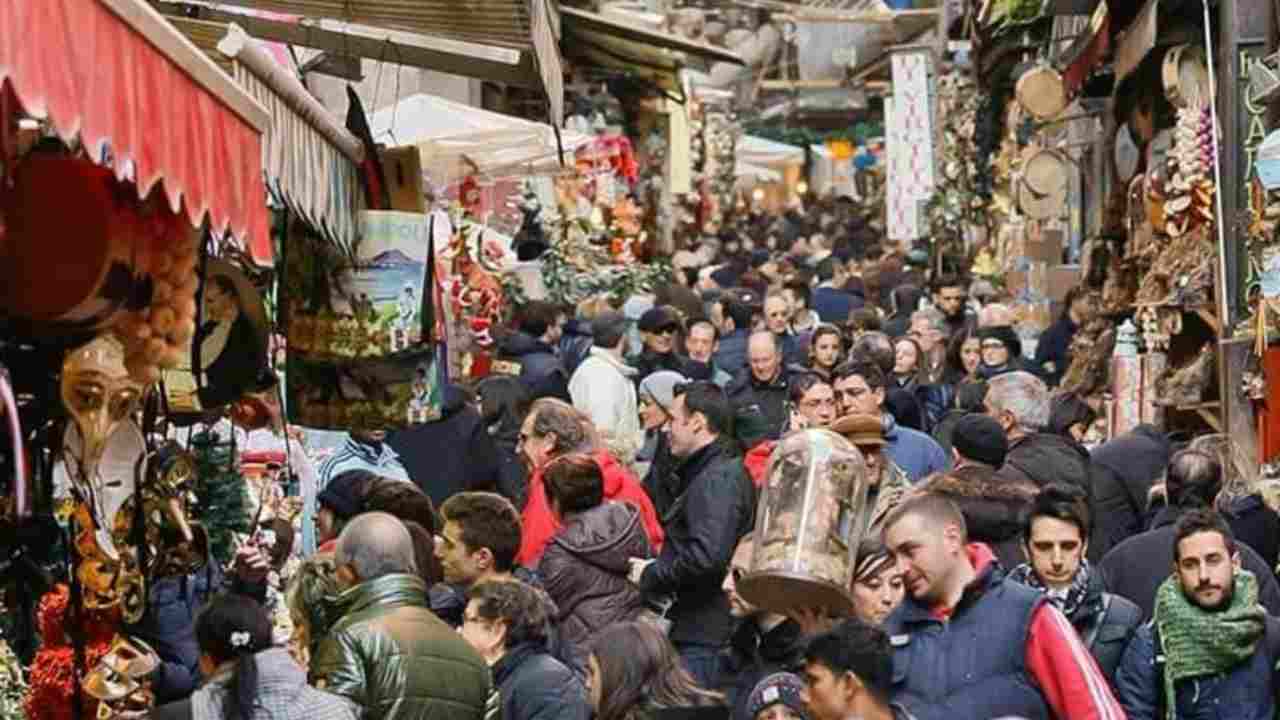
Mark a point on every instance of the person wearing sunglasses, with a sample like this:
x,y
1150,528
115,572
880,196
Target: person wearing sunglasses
x,y
660,332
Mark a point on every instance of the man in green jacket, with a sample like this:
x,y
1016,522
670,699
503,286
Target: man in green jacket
x,y
389,654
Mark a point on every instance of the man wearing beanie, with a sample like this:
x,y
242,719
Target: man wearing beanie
x,y
657,393
992,505
779,696
340,500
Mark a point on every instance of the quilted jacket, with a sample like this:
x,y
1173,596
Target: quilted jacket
x,y
393,657
584,570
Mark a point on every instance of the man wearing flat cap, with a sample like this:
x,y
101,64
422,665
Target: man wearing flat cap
x,y
888,483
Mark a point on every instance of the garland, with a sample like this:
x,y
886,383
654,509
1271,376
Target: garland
x,y
958,199
223,494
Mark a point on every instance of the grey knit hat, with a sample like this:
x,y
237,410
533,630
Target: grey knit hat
x,y
661,386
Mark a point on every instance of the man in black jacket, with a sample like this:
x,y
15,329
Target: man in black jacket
x,y
759,394
452,454
1019,401
764,643
1135,568
530,352
1124,469
506,622
714,511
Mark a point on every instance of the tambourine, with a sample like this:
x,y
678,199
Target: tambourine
x,y
1042,192
1042,90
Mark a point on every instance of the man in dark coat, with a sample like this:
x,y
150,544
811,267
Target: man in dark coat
x,y
1057,537
715,510
764,643
452,454
1135,568
660,327
1019,401
1124,469
575,344
993,507
733,318
530,352
759,394
1054,345
506,622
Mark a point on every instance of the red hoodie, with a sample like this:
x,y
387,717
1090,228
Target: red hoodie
x,y
756,461
619,484
1057,658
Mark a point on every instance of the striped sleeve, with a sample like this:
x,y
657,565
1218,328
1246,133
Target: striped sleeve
x,y
1065,670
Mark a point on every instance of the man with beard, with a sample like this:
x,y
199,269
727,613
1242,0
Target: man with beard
x,y
1056,538
1211,650
950,295
701,342
972,643
1136,567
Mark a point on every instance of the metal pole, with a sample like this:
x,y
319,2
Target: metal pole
x,y
1224,309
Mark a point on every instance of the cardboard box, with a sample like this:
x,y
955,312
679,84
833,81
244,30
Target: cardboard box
x,y
1037,282
1060,279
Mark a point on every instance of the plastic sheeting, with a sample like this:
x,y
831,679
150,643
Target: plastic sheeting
x,y
757,151
452,137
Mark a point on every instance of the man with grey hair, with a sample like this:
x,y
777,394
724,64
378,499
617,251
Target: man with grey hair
x,y
929,329
424,668
1019,401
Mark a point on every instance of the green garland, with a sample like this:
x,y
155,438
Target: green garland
x,y
574,270
956,201
13,685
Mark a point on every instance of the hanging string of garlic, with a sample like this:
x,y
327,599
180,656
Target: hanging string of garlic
x,y
1189,202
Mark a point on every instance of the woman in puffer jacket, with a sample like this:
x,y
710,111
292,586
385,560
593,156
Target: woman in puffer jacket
x,y
584,568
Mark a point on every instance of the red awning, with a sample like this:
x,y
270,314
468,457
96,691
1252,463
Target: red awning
x,y
117,74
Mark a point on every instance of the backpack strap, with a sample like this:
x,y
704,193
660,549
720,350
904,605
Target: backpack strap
x,y
1097,625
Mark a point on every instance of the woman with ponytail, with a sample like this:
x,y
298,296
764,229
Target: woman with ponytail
x,y
245,677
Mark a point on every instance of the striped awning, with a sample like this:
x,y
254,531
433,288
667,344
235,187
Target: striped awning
x,y
309,159
523,24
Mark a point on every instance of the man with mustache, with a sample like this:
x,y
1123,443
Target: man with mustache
x,y
1211,650
970,643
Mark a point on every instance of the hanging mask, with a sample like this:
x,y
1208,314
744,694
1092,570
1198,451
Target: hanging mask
x,y
119,680
98,394
109,484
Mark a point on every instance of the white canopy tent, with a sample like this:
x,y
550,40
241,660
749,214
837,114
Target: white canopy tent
x,y
759,152
448,134
747,173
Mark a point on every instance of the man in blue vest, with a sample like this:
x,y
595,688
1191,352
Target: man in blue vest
x,y
970,644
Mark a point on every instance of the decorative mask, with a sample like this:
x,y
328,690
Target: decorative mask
x,y
178,545
98,394
109,483
119,681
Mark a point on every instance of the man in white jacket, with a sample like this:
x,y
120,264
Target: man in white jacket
x,y
603,387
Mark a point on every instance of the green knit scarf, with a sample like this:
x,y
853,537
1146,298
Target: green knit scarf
x,y
1197,642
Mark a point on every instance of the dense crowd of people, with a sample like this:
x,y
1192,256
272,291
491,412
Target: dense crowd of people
x,y
567,541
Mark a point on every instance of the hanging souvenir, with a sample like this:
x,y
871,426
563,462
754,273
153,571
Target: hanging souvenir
x,y
1042,192
121,681
1042,91
231,344
178,545
1185,76
808,525
94,282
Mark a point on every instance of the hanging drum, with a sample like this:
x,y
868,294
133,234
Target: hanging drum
x,y
808,524
1042,91
1042,192
65,218
1185,76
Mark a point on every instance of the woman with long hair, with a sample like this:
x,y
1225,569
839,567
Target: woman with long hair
x,y
504,401
908,364
826,348
634,673
964,356
245,677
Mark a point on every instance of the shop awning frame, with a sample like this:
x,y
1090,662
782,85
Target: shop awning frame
x,y
530,25
116,75
575,19
310,161
498,64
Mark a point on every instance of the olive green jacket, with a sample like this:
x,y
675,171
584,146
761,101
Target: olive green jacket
x,y
393,657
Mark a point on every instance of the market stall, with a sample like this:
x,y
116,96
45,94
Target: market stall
x,y
136,155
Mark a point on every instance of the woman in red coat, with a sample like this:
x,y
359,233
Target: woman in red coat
x,y
554,428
